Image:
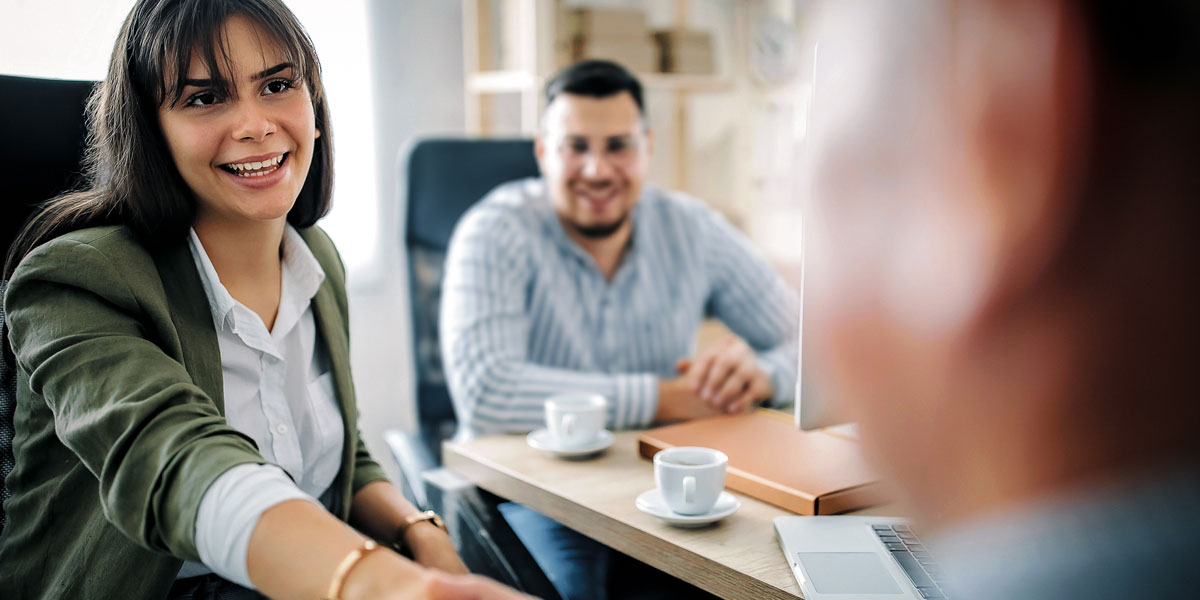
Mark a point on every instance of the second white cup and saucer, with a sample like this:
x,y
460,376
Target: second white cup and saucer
x,y
690,488
574,426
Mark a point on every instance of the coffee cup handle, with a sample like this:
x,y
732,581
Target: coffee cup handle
x,y
568,424
689,489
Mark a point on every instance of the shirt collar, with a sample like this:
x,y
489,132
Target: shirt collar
x,y
302,277
539,191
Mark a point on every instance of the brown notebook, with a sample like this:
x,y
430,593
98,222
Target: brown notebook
x,y
806,472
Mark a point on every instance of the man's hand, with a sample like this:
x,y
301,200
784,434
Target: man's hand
x,y
432,548
678,402
727,377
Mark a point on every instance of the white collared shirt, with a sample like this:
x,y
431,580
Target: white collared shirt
x,y
279,391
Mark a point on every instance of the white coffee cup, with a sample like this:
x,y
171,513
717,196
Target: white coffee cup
x,y
690,478
575,419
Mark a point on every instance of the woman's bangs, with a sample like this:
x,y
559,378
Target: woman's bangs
x,y
201,34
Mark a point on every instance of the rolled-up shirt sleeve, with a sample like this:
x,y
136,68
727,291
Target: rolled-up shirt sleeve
x,y
229,511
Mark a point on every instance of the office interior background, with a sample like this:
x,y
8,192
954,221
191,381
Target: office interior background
x,y
726,84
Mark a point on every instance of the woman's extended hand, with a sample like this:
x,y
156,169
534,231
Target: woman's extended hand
x,y
388,576
469,587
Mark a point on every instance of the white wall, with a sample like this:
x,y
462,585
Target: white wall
x,y
416,55
61,39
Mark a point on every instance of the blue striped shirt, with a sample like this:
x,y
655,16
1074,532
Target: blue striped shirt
x,y
525,312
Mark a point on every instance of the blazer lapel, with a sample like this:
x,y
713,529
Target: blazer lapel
x,y
329,323
197,342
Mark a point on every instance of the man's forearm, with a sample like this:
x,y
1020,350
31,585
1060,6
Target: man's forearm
x,y
507,396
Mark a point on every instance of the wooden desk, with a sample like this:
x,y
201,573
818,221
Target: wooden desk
x,y
736,558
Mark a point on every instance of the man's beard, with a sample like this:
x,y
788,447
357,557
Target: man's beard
x,y
599,232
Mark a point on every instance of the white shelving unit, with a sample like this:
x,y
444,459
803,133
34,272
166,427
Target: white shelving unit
x,y
529,29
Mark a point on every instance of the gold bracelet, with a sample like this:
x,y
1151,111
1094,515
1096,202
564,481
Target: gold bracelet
x,y
352,559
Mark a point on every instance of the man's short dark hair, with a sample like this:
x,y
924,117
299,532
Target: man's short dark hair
x,y
595,79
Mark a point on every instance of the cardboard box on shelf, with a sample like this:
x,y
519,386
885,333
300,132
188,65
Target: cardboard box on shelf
x,y
619,35
634,53
684,51
604,22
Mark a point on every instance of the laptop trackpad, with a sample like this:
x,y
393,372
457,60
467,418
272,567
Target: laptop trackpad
x,y
847,573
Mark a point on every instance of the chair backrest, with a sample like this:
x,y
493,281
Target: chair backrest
x,y
43,142
443,178
8,403
44,133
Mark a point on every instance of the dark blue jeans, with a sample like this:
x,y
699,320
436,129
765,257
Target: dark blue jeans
x,y
575,564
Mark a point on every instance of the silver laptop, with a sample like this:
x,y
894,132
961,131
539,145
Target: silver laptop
x,y
865,558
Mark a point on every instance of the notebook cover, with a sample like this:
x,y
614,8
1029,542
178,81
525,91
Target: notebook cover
x,y
806,472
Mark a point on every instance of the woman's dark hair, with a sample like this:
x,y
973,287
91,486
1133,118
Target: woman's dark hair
x,y
595,79
130,177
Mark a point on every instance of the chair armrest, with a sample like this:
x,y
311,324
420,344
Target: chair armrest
x,y
414,459
487,543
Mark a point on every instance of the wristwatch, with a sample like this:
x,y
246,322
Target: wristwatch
x,y
398,543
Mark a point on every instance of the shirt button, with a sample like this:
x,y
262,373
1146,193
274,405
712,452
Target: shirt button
x,y
281,429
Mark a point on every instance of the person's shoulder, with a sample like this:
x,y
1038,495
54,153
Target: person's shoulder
x,y
108,260
513,198
324,250
671,207
674,203
508,207
106,237
117,243
319,243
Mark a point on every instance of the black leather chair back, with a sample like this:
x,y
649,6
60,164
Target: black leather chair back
x,y
444,178
8,403
43,128
440,180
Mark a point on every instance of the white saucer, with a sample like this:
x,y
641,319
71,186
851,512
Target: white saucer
x,y
651,502
540,439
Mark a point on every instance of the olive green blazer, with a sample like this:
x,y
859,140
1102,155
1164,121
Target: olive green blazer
x,y
120,422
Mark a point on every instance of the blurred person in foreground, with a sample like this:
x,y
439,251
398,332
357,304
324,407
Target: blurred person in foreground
x,y
1004,280
587,280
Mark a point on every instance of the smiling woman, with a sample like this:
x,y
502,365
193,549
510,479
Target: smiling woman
x,y
180,328
71,39
243,139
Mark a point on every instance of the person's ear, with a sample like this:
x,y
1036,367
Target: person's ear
x,y
316,134
1027,107
649,135
539,151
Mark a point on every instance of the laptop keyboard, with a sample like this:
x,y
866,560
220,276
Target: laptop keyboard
x,y
912,556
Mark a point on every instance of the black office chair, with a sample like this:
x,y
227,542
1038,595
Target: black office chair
x,y
42,121
441,179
